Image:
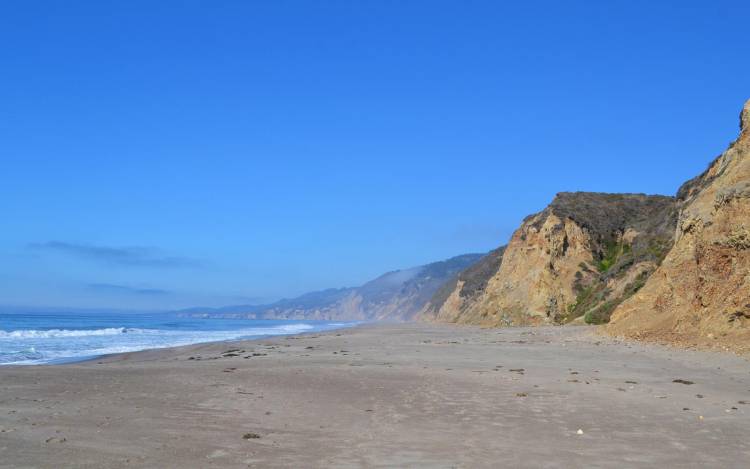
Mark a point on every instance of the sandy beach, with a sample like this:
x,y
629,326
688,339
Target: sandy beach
x,y
410,395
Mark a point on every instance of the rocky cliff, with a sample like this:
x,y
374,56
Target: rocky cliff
x,y
579,257
394,296
701,292
459,294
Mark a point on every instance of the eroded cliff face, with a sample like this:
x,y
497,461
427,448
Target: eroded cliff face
x,y
701,292
578,258
459,294
575,257
661,268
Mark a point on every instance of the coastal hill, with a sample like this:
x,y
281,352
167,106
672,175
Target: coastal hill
x,y
666,268
701,292
393,296
459,294
579,257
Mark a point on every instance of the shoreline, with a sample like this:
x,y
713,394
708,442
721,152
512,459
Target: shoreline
x,y
114,357
89,358
596,331
383,395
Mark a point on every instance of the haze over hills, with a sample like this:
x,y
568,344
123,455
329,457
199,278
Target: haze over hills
x,y
394,296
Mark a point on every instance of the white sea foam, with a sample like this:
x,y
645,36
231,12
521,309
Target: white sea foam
x,y
37,346
54,333
50,333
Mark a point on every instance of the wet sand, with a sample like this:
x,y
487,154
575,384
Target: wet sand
x,y
385,396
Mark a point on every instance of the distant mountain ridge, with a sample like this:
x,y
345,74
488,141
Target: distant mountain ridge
x,y
394,296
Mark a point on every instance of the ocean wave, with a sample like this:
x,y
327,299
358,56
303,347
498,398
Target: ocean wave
x,y
21,356
38,346
289,328
52,333
55,333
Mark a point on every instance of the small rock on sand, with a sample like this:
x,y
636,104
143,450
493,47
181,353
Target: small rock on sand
x,y
682,381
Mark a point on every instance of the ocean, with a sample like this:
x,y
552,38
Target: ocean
x,y
44,338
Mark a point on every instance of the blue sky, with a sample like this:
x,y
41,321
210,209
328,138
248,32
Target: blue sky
x,y
170,154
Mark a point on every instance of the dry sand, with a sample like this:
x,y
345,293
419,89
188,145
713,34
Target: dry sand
x,y
384,396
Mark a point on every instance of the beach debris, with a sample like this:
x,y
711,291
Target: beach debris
x,y
517,370
631,382
682,381
250,436
521,394
700,417
579,432
699,396
743,402
229,370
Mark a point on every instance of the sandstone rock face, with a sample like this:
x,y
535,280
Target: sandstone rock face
x,y
455,297
580,256
701,292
